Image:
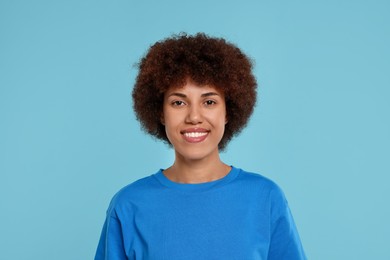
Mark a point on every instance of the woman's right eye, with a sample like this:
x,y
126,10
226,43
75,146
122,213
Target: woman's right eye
x,y
177,103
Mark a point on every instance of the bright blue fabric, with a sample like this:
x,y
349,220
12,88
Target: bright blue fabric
x,y
242,216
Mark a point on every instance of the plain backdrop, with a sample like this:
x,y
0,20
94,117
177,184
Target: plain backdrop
x,y
69,139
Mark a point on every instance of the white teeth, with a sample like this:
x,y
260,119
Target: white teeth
x,y
195,134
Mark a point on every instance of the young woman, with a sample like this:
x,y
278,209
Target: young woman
x,y
195,93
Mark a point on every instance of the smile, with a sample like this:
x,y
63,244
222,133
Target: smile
x,y
195,136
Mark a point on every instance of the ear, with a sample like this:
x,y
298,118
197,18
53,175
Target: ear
x,y
162,120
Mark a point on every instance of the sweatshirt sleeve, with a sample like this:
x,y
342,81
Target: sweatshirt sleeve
x,y
285,242
111,246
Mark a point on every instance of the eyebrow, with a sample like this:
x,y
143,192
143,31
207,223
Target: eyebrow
x,y
208,94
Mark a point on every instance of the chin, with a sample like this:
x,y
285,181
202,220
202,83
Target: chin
x,y
194,154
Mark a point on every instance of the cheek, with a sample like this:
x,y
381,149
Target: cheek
x,y
166,117
170,120
171,124
219,122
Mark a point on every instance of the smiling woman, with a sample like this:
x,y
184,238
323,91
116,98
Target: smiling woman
x,y
196,93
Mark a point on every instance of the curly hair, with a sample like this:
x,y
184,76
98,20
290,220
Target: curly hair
x,y
206,61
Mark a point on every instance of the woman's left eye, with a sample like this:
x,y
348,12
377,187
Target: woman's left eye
x,y
210,102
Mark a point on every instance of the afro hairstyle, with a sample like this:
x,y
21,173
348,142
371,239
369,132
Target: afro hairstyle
x,y
204,60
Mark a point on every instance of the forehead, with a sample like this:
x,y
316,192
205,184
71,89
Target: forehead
x,y
192,88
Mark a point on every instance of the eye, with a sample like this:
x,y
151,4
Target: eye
x,y
177,103
209,102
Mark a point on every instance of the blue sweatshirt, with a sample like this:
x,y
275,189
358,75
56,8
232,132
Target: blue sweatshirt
x,y
242,216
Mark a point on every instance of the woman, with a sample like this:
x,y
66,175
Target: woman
x,y
196,93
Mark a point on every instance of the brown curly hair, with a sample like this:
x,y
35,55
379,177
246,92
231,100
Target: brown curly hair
x,y
206,61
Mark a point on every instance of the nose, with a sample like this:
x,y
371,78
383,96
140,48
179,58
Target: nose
x,y
194,115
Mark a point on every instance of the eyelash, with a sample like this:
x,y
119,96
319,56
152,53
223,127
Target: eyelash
x,y
177,103
180,103
210,102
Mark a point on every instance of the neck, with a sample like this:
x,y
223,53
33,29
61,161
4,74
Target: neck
x,y
197,171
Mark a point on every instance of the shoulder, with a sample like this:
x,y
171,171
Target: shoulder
x,y
263,185
136,191
267,191
140,185
256,179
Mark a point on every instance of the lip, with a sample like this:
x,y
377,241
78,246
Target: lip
x,y
195,135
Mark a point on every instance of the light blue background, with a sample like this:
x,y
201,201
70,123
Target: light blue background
x,y
69,140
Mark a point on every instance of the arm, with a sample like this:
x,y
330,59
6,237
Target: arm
x,y
285,241
111,245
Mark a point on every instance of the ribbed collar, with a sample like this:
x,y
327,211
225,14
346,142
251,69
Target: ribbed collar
x,y
189,187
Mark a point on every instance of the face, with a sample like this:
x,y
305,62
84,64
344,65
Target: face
x,y
194,117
